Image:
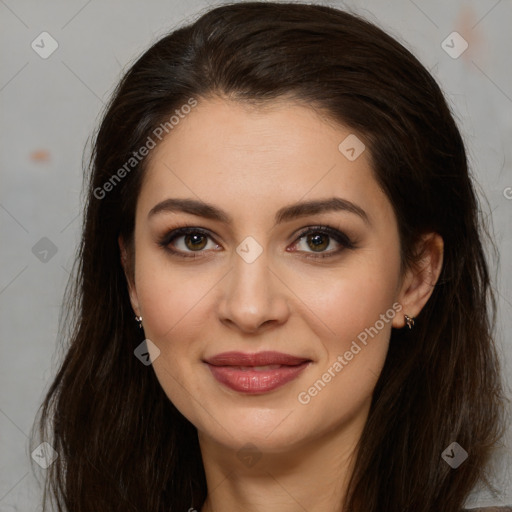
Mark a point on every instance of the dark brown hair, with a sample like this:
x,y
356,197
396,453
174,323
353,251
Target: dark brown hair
x,y
122,444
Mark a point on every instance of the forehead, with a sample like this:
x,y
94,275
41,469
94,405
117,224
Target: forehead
x,y
258,158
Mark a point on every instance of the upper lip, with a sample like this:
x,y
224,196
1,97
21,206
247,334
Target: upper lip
x,y
257,359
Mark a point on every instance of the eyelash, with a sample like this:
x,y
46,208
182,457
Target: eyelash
x,y
338,236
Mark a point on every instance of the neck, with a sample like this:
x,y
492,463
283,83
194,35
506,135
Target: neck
x,y
310,476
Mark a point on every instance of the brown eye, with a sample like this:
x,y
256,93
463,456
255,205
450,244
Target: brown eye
x,y
195,242
186,241
319,238
318,241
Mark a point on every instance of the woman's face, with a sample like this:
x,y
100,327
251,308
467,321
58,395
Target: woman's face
x,y
249,278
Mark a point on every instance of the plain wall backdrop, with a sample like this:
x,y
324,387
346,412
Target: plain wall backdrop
x,y
51,103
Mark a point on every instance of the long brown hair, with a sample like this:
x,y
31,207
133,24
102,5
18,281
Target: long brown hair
x,y
122,444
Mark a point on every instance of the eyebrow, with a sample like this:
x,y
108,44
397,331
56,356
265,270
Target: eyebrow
x,y
287,213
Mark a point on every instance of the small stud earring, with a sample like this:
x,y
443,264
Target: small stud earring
x,y
409,321
139,319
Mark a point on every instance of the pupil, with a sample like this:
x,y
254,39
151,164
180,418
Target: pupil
x,y
316,239
196,239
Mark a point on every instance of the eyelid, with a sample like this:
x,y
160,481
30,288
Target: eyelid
x,y
339,236
178,232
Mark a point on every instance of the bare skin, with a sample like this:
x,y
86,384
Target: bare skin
x,y
250,163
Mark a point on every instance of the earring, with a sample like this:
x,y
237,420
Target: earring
x,y
409,321
139,319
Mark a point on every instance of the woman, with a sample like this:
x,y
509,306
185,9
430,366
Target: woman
x,y
280,196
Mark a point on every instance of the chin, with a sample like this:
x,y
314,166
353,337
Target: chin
x,y
274,431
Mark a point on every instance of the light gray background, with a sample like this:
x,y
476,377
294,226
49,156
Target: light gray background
x,y
50,106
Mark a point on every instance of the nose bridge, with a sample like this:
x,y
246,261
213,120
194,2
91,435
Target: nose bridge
x,y
252,295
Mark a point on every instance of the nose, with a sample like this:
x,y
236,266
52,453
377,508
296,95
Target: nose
x,y
253,297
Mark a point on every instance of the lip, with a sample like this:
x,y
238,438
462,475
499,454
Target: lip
x,y
227,369
258,359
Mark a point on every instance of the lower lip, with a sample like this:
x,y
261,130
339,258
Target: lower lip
x,y
252,381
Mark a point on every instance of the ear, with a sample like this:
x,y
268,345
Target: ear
x,y
419,280
128,267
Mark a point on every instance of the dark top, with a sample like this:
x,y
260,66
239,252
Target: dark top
x,y
488,509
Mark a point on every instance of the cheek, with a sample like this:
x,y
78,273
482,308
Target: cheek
x,y
355,348
355,306
173,302
350,299
169,295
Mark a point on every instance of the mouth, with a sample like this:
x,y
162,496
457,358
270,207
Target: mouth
x,y
258,368
256,373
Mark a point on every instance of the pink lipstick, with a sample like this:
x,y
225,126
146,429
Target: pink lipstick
x,y
256,373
